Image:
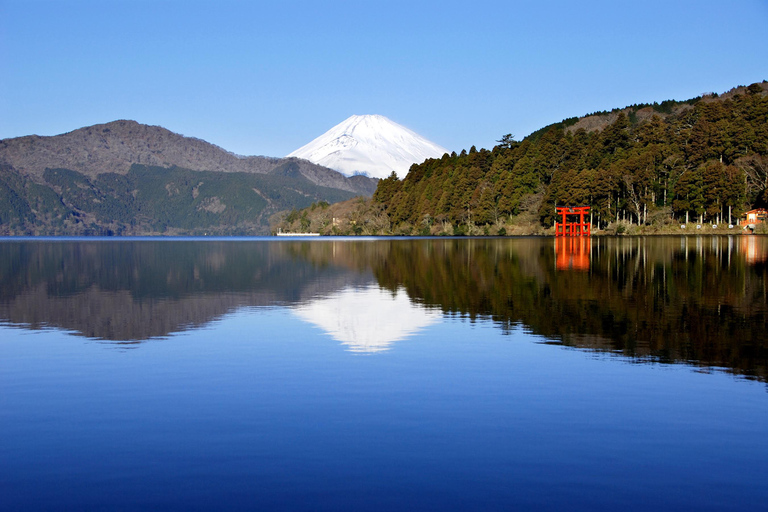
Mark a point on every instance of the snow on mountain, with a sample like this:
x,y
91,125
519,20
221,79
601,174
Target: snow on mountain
x,y
371,145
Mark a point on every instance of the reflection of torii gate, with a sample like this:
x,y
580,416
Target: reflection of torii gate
x,y
573,253
573,228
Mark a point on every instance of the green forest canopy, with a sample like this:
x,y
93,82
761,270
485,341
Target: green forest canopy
x,y
703,159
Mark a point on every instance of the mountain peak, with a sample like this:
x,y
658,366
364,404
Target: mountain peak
x,y
369,144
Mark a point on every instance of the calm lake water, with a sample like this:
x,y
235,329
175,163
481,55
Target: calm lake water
x,y
388,374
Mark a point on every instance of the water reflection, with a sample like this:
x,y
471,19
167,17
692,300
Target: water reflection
x,y
367,319
671,299
573,253
754,249
695,300
133,291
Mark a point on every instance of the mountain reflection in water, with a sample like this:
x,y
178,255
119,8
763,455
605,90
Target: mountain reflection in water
x,y
367,319
697,300
130,291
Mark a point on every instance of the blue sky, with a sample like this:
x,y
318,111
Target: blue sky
x,y
264,78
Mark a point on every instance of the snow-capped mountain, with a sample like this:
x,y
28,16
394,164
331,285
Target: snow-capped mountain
x,y
371,145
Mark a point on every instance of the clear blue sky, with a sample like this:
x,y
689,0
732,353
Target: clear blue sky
x,y
264,78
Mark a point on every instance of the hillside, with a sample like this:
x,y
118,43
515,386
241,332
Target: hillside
x,y
658,165
127,178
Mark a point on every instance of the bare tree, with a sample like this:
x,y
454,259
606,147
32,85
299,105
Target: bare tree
x,y
635,202
755,169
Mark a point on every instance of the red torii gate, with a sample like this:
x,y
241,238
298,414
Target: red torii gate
x,y
573,228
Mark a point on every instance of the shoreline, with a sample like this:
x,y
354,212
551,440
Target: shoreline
x,y
294,237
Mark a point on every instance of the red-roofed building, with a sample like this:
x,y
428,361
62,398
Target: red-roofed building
x,y
756,216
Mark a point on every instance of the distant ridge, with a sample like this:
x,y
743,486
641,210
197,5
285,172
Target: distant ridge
x,y
127,178
116,146
369,144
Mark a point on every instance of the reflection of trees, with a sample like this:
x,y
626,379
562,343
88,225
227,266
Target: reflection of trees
x,y
675,299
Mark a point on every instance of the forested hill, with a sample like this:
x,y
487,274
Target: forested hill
x,y
128,178
114,147
704,159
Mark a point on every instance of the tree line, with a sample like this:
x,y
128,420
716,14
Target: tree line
x,y
702,160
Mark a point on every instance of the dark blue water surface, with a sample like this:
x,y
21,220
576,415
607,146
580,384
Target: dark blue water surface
x,y
384,375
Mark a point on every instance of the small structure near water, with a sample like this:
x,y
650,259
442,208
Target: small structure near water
x,y
754,217
569,225
280,232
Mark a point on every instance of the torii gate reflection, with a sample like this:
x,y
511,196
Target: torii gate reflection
x,y
573,244
572,253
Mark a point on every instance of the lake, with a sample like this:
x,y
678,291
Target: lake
x,y
384,374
